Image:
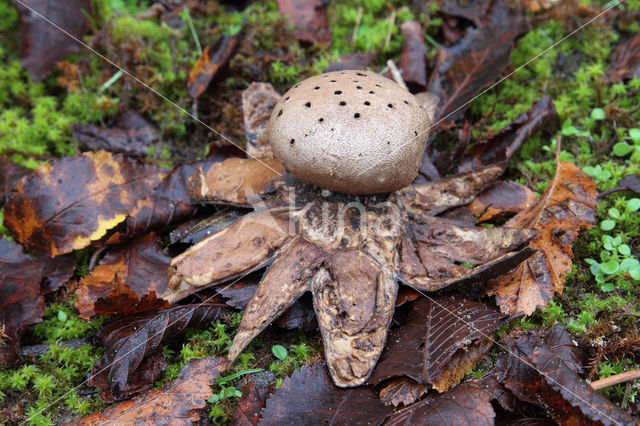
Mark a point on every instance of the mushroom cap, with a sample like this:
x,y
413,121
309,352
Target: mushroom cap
x,y
350,131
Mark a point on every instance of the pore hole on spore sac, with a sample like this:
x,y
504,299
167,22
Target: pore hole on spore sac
x,y
342,103
292,141
308,104
356,115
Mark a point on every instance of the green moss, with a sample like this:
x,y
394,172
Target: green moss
x,y
46,386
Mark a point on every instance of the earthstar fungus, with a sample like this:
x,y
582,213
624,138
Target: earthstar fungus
x,y
354,132
350,251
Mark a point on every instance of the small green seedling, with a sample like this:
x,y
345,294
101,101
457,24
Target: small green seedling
x,y
280,352
225,393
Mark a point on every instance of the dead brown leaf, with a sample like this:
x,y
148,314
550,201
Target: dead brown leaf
x,y
501,198
441,341
20,302
625,63
567,205
126,281
10,175
176,404
209,63
66,205
43,44
309,394
413,60
309,18
402,390
134,142
130,341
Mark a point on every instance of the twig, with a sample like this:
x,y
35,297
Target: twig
x,y
39,350
616,379
392,20
397,76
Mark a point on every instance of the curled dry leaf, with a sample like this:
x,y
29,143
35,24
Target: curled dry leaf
x,y
441,341
249,406
625,63
350,259
535,373
126,281
176,404
567,205
499,148
20,302
309,394
66,205
309,17
466,404
128,341
209,63
43,44
258,101
413,61
501,198
461,71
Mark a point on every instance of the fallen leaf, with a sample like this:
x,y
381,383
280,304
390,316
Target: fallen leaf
x,y
10,175
466,404
42,44
476,61
499,148
20,302
501,198
413,60
129,340
176,404
258,101
536,374
473,10
567,205
625,63
309,17
169,203
197,230
106,291
310,394
66,205
402,390
441,341
628,183
134,142
209,63
57,272
250,405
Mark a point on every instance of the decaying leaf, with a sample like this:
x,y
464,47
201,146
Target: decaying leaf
x,y
499,148
209,63
43,44
413,61
10,175
567,205
402,390
20,302
350,259
502,197
176,404
477,60
309,394
627,183
442,340
66,205
250,405
625,63
126,281
258,101
466,404
535,373
309,18
130,340
135,142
